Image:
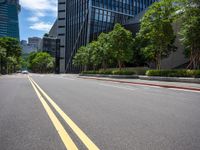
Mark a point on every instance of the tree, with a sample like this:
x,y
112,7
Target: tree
x,y
12,46
13,52
157,31
11,64
23,63
30,58
138,55
121,44
83,57
2,57
190,32
41,62
101,51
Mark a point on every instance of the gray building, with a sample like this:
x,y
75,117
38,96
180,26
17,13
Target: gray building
x,y
26,48
9,25
51,45
80,22
34,42
61,32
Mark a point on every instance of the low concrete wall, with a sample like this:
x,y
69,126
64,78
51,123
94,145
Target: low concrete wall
x,y
171,79
155,78
111,76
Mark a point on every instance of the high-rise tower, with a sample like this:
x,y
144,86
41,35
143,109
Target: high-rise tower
x,y
9,25
81,21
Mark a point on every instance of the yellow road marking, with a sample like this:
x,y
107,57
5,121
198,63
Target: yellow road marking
x,y
83,137
69,144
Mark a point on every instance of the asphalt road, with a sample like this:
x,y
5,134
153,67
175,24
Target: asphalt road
x,y
101,115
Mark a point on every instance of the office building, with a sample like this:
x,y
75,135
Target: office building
x,y
34,42
80,22
9,25
51,44
27,48
140,5
61,32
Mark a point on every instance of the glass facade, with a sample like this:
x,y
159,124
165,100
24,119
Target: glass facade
x,y
9,25
140,5
86,19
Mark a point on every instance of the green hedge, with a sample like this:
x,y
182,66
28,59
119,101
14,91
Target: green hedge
x,y
111,72
174,73
124,71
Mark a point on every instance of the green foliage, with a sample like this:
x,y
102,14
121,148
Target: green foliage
x,y
156,31
23,65
115,46
41,62
139,58
30,58
114,71
10,52
83,56
123,72
190,32
111,72
121,44
2,52
11,45
174,73
102,53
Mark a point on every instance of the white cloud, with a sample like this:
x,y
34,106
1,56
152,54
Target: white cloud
x,y
41,26
40,5
33,19
40,9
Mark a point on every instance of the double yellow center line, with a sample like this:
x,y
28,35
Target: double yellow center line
x,y
68,142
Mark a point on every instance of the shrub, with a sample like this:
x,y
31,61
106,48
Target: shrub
x,y
111,72
89,72
123,72
174,73
107,72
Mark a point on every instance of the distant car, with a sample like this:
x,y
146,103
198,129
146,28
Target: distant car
x,y
24,72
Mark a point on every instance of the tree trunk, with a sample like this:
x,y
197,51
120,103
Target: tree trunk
x,y
0,66
104,65
85,68
120,65
158,67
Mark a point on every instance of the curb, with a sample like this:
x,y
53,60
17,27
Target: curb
x,y
171,79
146,84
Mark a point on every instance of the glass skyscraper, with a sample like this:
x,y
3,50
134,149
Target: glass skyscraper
x,y
140,5
86,19
9,25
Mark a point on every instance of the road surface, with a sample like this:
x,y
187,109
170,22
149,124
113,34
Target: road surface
x,y
59,112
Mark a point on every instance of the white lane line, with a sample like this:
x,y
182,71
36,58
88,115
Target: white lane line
x,y
120,87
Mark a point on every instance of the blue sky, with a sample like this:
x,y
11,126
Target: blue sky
x,y
36,17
